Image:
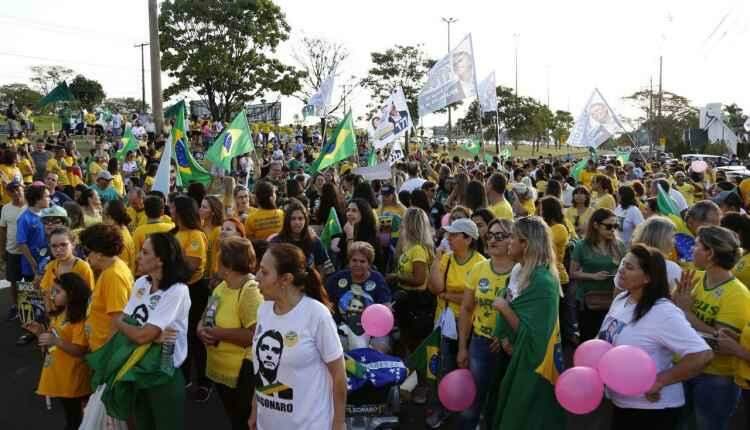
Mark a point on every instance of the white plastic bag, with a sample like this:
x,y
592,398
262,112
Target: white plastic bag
x,y
95,414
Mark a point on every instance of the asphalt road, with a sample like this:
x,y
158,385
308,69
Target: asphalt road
x,y
22,409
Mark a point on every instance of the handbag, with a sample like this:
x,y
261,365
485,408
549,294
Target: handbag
x,y
598,300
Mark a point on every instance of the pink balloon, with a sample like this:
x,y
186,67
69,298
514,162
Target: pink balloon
x,y
579,390
377,320
457,390
590,352
698,166
628,370
446,220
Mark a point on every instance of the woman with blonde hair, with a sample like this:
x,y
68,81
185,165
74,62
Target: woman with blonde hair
x,y
458,195
414,305
528,330
658,232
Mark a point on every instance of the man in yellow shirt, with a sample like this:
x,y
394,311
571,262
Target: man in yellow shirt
x,y
499,205
153,207
685,188
135,209
588,175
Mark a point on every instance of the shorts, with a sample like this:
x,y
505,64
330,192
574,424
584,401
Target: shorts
x,y
13,267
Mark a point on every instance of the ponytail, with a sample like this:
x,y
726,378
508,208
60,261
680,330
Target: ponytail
x,y
290,259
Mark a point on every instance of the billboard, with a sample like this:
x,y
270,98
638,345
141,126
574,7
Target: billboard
x,y
263,112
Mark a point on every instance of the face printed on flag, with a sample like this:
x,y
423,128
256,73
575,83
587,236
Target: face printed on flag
x,y
600,113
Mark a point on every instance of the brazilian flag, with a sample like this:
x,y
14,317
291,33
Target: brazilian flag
x,y
578,169
129,143
188,170
526,395
473,146
331,228
425,359
341,145
235,140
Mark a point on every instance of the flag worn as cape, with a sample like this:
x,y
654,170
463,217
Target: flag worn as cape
x,y
171,112
234,141
129,143
526,397
578,169
188,170
126,368
683,239
473,146
341,145
61,93
331,229
425,358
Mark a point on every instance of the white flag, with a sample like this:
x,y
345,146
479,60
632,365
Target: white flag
x,y
597,123
391,120
396,153
321,100
488,94
161,180
450,80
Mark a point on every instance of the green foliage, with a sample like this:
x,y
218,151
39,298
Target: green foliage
x,y
21,94
404,66
318,59
124,104
676,115
87,92
223,50
47,77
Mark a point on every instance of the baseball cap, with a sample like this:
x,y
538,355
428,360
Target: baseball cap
x,y
723,196
464,225
104,175
54,211
387,189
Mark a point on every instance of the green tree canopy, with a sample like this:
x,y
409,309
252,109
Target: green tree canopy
x,y
223,50
21,94
88,92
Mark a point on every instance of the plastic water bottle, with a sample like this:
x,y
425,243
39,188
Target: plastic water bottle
x,y
167,357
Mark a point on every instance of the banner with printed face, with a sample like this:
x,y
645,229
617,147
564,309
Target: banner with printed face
x,y
488,94
450,80
597,123
391,120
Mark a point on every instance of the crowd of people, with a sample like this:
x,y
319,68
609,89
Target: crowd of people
x,y
521,257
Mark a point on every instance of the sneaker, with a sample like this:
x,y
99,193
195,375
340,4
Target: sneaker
x,y
202,393
25,339
12,314
436,418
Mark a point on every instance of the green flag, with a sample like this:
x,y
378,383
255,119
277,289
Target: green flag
x,y
473,146
341,145
578,169
372,159
593,153
505,153
235,140
187,168
129,143
331,229
60,93
665,204
623,156
425,358
488,158
171,112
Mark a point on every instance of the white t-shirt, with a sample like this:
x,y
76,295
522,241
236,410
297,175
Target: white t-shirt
x,y
627,220
116,120
163,309
8,219
290,353
412,184
138,131
661,333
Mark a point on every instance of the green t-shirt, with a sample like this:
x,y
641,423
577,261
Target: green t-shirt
x,y
592,261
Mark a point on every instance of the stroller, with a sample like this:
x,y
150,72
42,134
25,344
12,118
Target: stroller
x,y
373,383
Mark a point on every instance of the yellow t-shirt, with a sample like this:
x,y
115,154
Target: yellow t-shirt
x,y
194,244
487,285
58,167
141,232
262,223
587,177
745,190
687,191
8,174
457,280
90,119
742,372
578,221
502,210
62,374
27,170
727,304
213,247
94,169
415,254
110,295
560,239
529,206
128,254
148,183
68,164
137,218
742,269
541,187
236,308
606,201
117,184
51,272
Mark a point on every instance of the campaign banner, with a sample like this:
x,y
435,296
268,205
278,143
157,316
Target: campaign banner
x,y
30,304
390,121
396,153
321,100
488,94
596,123
450,80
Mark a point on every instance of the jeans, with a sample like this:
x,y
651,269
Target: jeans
x,y
714,400
628,419
484,366
196,356
448,355
238,401
589,322
568,315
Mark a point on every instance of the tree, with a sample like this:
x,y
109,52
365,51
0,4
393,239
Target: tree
x,y
676,115
88,92
318,59
21,94
223,50
126,104
47,77
562,123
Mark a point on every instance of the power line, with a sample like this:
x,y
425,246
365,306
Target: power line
x,y
62,61
54,27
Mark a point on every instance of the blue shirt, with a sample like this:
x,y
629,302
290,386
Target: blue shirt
x,y
30,232
106,195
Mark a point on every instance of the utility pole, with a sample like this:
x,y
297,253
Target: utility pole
x,y
516,36
548,75
661,95
449,21
156,105
344,87
143,77
650,115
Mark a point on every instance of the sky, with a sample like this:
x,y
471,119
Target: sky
x,y
566,48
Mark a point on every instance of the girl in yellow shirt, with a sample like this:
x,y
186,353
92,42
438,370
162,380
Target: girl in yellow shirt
x,y
116,214
65,375
605,193
211,213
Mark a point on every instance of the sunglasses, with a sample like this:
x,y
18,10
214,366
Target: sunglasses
x,y
499,236
608,226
